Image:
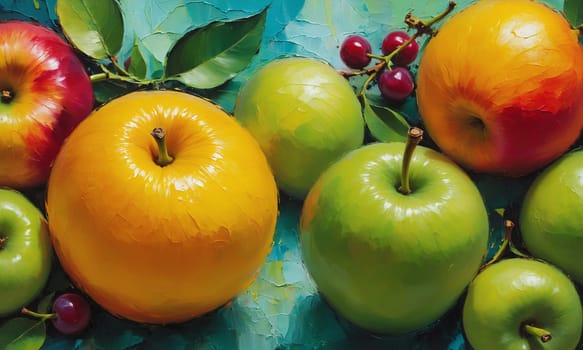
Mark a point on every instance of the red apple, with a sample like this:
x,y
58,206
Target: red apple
x,y
44,93
500,87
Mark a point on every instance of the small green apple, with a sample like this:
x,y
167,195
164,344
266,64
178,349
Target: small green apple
x,y
304,115
522,304
25,251
551,216
389,251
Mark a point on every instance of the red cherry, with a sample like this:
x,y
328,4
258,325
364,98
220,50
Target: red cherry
x,y
73,313
395,39
396,84
354,50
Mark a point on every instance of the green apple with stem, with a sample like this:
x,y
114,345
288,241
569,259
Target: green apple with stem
x,y
522,303
25,251
551,215
392,234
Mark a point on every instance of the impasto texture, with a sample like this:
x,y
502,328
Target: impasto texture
x,y
281,309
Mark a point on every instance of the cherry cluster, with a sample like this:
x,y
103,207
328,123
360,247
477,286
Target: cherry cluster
x,y
399,50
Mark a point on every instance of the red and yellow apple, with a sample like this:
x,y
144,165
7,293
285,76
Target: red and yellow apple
x,y
44,93
166,228
500,87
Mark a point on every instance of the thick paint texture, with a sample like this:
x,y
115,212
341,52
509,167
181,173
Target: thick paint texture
x,y
51,94
161,244
551,219
26,252
500,88
304,115
388,262
517,291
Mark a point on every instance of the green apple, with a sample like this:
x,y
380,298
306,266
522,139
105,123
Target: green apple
x,y
520,303
551,216
25,251
304,116
391,240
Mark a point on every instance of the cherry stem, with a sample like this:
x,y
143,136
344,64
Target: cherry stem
x,y
38,315
424,27
414,137
542,333
3,241
509,226
163,157
6,95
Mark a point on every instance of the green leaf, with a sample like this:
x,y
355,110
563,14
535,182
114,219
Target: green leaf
x,y
137,65
93,26
385,124
105,90
22,334
574,11
209,56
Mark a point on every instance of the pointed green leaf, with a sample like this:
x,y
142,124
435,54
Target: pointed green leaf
x,y
93,26
22,334
385,124
209,56
137,65
574,11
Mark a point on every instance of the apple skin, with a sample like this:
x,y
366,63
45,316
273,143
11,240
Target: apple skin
x,y
388,262
515,291
304,116
505,97
51,93
26,254
551,215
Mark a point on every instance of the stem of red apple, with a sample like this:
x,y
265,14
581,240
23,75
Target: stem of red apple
x,y
414,137
38,315
163,157
542,333
6,95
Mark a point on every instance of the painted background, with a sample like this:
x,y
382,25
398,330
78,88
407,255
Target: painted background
x,y
282,309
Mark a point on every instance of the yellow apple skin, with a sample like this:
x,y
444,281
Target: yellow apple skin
x,y
161,244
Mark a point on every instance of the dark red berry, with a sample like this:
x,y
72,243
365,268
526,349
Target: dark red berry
x,y
396,84
73,313
354,50
407,55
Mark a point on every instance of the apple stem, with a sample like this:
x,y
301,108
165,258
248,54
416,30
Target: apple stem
x,y
6,96
542,333
3,241
414,137
509,225
38,315
163,157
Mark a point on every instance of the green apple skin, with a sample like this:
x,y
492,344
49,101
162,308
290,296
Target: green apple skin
x,y
26,254
304,115
551,215
392,263
515,291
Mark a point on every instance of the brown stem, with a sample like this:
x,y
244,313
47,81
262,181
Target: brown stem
x,y
509,225
3,241
6,95
414,137
163,157
424,27
543,334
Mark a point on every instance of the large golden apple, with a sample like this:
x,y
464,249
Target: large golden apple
x,y
161,240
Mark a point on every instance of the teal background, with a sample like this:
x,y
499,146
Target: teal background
x,y
282,309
